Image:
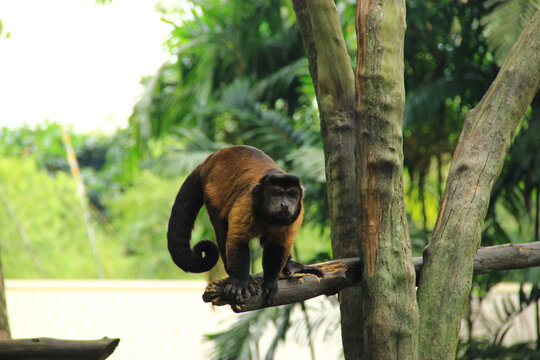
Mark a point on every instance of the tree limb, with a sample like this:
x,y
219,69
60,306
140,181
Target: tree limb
x,y
333,80
487,133
342,273
46,348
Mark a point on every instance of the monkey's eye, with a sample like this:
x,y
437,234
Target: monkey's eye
x,y
277,194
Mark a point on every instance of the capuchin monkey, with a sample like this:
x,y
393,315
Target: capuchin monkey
x,y
246,195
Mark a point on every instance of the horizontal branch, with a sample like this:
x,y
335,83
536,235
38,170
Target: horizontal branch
x,y
342,273
46,348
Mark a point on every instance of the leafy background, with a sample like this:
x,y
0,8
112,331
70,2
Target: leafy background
x,y
237,74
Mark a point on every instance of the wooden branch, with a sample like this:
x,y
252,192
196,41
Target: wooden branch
x,y
338,274
47,348
342,273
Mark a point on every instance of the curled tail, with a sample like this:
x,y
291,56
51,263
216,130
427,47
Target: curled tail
x,y
184,212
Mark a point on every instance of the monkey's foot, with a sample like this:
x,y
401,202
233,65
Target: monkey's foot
x,y
238,290
293,267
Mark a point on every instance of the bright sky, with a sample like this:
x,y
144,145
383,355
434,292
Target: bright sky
x,y
74,62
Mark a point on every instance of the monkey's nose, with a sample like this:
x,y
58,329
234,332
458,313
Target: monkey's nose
x,y
284,206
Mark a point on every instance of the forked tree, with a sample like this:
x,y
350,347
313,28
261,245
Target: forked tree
x,y
361,122
394,313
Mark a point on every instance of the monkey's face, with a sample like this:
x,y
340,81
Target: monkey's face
x,y
282,203
278,198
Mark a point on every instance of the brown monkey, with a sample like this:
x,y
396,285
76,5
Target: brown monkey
x,y
246,195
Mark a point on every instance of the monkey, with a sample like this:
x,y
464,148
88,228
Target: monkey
x,y
246,195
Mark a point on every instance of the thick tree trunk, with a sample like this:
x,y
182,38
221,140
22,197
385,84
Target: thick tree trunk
x,y
388,277
333,79
445,281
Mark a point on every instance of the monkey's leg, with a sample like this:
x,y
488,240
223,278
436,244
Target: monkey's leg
x,y
274,258
293,267
239,286
220,230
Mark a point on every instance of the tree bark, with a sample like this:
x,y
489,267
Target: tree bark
x,y
5,332
343,273
333,79
338,274
445,282
388,277
45,348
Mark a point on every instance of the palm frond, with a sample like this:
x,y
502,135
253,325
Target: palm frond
x,y
499,321
308,163
238,95
240,341
272,131
180,160
514,188
505,23
423,105
253,123
279,82
283,324
486,350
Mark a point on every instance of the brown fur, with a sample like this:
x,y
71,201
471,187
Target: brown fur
x,y
229,183
230,176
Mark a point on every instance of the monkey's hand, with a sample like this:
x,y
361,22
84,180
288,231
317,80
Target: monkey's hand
x,y
238,290
293,267
269,290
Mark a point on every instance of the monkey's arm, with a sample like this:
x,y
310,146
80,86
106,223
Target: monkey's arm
x,y
273,261
240,286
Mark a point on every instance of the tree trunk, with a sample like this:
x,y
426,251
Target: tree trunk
x,y
388,277
5,332
333,79
477,161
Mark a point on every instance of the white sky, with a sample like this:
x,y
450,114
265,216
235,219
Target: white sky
x,y
73,62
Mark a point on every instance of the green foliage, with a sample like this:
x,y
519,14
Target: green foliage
x,y
238,75
448,67
505,22
140,217
3,35
44,144
520,177
41,225
222,86
486,351
242,340
213,44
497,324
41,219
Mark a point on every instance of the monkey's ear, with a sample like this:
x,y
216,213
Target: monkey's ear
x,y
256,189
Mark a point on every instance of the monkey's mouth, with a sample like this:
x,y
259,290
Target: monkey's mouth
x,y
283,214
